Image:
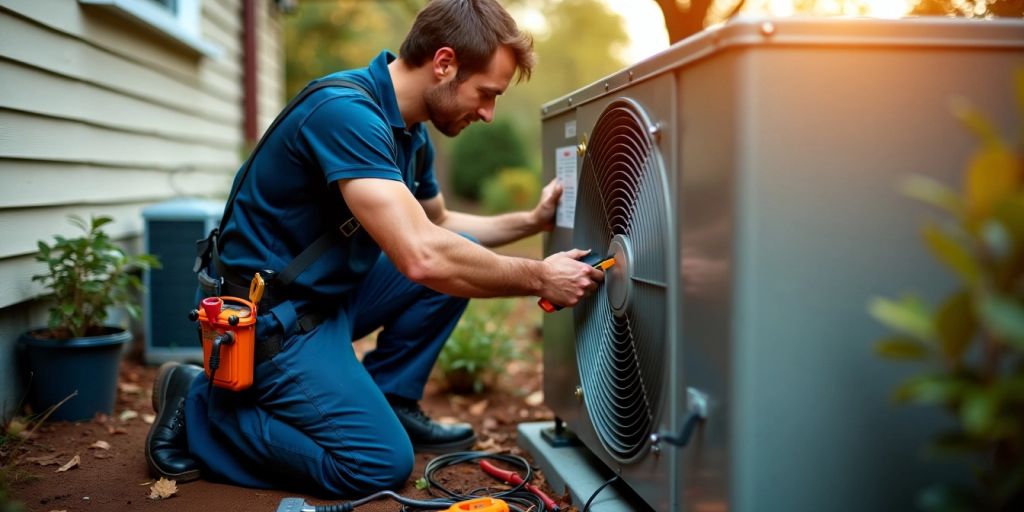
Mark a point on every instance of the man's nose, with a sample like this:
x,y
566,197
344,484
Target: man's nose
x,y
486,113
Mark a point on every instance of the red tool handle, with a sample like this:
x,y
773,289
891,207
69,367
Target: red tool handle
x,y
510,477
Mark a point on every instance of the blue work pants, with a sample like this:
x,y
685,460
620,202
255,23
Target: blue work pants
x,y
315,419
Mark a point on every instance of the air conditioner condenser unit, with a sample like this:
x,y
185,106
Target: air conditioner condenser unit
x,y
746,181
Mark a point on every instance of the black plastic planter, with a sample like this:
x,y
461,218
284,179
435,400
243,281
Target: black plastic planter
x,y
58,368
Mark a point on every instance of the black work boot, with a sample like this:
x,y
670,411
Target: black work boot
x,y
167,445
427,435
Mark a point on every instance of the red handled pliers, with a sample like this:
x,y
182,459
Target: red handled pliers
x,y
512,478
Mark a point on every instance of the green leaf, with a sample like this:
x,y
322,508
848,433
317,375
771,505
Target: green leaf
x,y
951,253
901,348
978,412
955,323
932,192
931,389
908,316
422,484
1004,317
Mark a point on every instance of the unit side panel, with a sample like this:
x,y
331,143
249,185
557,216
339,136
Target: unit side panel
x,y
706,179
826,135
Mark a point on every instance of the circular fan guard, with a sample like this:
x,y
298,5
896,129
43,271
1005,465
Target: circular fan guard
x,y
622,209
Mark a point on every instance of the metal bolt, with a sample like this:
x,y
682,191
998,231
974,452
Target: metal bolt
x,y
545,110
581,149
607,86
631,76
579,391
655,444
570,102
767,28
655,131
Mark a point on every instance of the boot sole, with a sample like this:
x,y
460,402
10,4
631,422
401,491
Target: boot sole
x,y
159,388
449,447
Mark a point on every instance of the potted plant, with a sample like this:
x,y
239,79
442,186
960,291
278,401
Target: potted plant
x,y
78,354
971,344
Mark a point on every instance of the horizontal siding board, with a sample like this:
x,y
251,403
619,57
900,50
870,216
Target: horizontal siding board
x,y
33,90
137,44
43,138
28,43
16,283
226,15
21,229
26,183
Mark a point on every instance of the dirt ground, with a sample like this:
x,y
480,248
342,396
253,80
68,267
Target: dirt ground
x,y
117,478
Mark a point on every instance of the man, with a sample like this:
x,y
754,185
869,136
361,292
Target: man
x,y
359,157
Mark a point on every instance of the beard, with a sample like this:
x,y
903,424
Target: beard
x,y
443,109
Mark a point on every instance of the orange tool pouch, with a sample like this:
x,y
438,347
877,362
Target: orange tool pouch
x,y
228,329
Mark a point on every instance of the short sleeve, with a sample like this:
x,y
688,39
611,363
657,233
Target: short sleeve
x,y
348,137
428,187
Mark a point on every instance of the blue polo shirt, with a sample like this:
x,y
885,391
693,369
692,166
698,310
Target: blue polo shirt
x,y
291,197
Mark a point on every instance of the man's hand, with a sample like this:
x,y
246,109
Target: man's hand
x,y
567,280
544,213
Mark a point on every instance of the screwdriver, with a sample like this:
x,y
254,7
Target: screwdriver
x,y
602,265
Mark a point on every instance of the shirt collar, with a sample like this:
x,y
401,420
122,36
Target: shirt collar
x,y
386,88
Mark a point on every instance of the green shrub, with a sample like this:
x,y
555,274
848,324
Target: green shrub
x,y
972,343
479,348
511,190
480,152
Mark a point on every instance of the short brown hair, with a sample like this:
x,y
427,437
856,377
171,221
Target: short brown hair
x,y
474,29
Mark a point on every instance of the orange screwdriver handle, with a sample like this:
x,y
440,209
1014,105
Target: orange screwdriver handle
x,y
602,265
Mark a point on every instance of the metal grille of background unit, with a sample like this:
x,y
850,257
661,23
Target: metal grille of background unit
x,y
621,349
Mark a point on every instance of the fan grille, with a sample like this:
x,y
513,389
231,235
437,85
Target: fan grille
x,y
622,209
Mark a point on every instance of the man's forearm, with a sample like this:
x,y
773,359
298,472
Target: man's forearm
x,y
493,231
453,265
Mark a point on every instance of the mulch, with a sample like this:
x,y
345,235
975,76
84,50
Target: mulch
x,y
117,478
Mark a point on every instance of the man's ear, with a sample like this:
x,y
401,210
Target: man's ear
x,y
445,64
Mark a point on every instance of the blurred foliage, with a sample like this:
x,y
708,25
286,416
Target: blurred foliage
x,y
480,347
973,341
685,18
480,152
577,45
513,189
970,8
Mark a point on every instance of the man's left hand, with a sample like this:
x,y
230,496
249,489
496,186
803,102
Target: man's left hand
x,y
544,213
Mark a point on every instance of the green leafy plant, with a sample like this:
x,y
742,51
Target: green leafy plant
x,y
480,152
972,342
479,347
86,275
513,189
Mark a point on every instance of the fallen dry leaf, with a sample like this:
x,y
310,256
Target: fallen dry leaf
x,y
70,464
523,413
128,414
447,420
45,460
61,510
490,424
112,430
535,399
129,388
163,489
478,408
102,445
101,455
148,419
487,445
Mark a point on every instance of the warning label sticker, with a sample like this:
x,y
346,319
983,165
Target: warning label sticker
x,y
565,170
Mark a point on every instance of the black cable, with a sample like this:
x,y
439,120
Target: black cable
x,y
689,425
598,491
518,498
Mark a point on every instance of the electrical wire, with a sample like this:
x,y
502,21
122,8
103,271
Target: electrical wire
x,y
606,483
518,498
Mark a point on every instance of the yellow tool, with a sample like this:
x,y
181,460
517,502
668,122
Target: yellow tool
x,y
480,505
256,287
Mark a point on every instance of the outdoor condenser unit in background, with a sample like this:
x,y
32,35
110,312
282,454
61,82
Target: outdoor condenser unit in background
x,y
171,231
746,181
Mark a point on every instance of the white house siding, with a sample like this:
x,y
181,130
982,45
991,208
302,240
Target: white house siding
x,y
100,115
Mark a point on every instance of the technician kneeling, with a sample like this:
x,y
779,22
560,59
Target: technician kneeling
x,y
338,208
